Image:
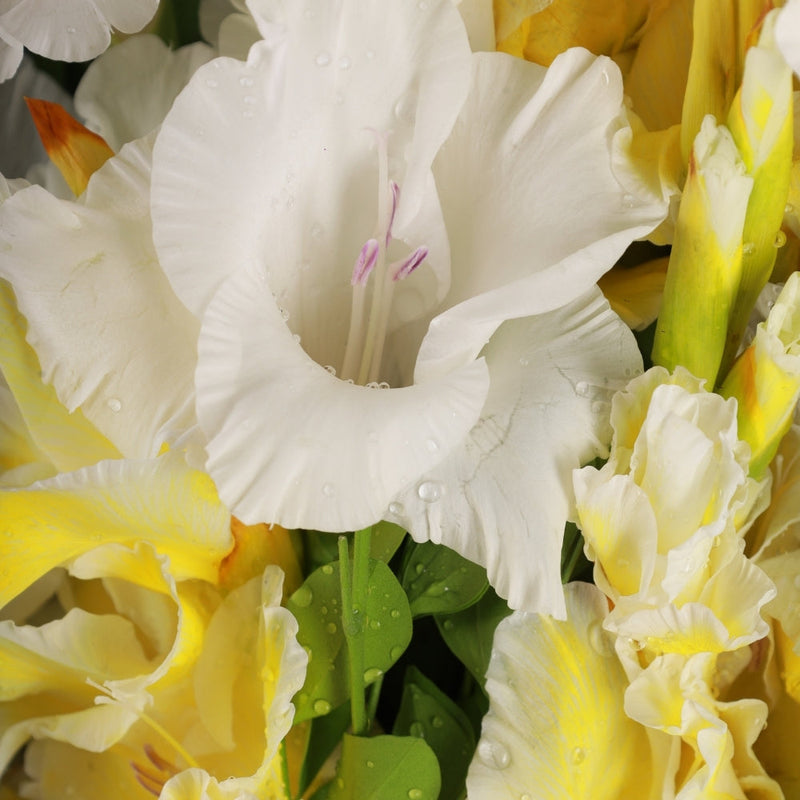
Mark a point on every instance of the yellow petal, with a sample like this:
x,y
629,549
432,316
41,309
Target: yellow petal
x,y
74,149
605,27
635,293
510,14
67,440
556,727
161,501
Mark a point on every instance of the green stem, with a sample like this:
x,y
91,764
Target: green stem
x,y
374,696
354,597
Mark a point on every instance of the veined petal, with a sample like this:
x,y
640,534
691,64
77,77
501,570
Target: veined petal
x,y
299,120
127,92
518,245
546,414
161,501
555,726
340,452
40,24
110,335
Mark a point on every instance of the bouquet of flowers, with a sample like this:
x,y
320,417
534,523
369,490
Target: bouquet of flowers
x,y
399,399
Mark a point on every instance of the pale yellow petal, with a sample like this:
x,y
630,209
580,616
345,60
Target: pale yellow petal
x,y
161,501
555,727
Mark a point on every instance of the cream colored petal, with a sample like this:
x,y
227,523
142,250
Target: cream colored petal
x,y
555,727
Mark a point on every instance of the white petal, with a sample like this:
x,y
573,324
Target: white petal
x,y
787,34
503,496
289,443
72,30
556,727
11,52
127,92
534,212
295,124
110,335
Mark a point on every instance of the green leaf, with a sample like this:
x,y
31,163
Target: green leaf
x,y
317,607
428,713
386,539
385,768
439,581
469,633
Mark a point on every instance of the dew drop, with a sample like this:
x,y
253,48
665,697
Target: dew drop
x,y
246,82
331,627
780,239
494,754
374,624
303,597
628,201
372,674
417,729
396,652
432,445
405,108
328,569
328,490
524,362
419,569
748,248
384,385
396,508
394,614
372,385
524,797
598,407
331,369
788,209
448,625
316,231
295,338
582,388
429,491
345,63
71,29
114,404
578,755
437,722
600,640
323,59
250,99
248,113
415,794
636,644
370,54
212,84
605,78
284,315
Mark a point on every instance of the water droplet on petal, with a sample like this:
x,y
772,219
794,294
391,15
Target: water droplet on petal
x,y
316,231
331,627
345,63
284,315
748,248
212,84
415,794
372,674
370,54
780,239
432,445
628,201
430,491
246,82
582,388
437,722
396,652
524,362
71,29
605,78
328,569
323,59
329,490
578,755
396,508
330,369
394,613
321,706
303,597
114,404
417,729
494,754
788,209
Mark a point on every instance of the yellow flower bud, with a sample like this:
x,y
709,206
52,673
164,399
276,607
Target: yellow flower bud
x,y
765,380
704,269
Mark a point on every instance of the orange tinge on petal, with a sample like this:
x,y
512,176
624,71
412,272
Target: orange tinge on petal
x,y
74,149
